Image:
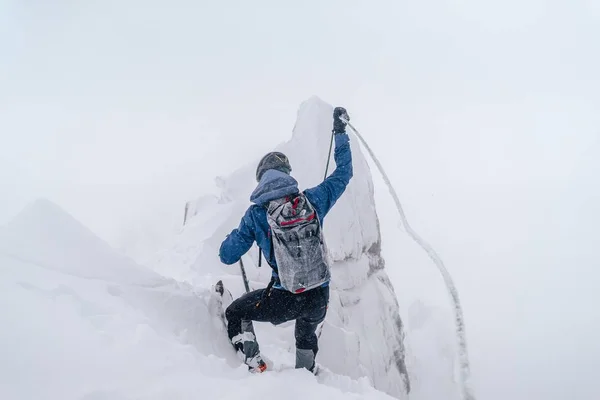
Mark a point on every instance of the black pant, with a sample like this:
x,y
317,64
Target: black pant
x,y
308,309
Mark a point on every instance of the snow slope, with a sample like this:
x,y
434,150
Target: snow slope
x,y
363,334
82,322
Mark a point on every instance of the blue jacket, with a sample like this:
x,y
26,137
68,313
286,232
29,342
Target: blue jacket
x,y
275,185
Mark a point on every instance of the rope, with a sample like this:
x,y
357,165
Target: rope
x,y
464,365
329,155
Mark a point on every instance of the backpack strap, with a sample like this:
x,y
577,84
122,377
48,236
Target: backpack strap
x,y
272,252
266,293
259,257
270,236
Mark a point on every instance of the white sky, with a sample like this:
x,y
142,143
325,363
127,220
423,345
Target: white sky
x,y
486,114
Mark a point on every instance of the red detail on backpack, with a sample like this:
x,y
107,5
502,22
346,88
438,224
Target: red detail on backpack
x,y
295,205
295,221
300,290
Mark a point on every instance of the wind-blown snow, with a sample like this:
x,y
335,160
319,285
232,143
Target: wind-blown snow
x,y
82,322
363,333
43,232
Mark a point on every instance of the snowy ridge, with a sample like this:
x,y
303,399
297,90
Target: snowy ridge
x,y
82,322
363,333
43,226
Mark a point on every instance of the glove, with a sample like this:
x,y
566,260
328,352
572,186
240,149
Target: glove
x,y
339,126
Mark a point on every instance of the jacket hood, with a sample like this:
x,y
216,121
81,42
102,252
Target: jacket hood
x,y
274,185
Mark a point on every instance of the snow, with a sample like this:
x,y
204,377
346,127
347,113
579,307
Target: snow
x,y
85,322
363,333
101,327
47,229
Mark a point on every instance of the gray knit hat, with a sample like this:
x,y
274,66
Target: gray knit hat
x,y
274,160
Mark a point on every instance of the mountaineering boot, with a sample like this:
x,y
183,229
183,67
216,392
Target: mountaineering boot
x,y
247,351
256,365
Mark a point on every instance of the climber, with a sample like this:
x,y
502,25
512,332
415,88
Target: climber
x,y
287,226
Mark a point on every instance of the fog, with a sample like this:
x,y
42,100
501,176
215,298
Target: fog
x,y
485,115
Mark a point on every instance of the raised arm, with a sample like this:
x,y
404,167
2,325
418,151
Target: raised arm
x,y
324,196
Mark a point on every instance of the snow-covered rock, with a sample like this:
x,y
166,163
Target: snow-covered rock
x,y
363,333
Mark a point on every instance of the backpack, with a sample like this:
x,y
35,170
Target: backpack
x,y
297,242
